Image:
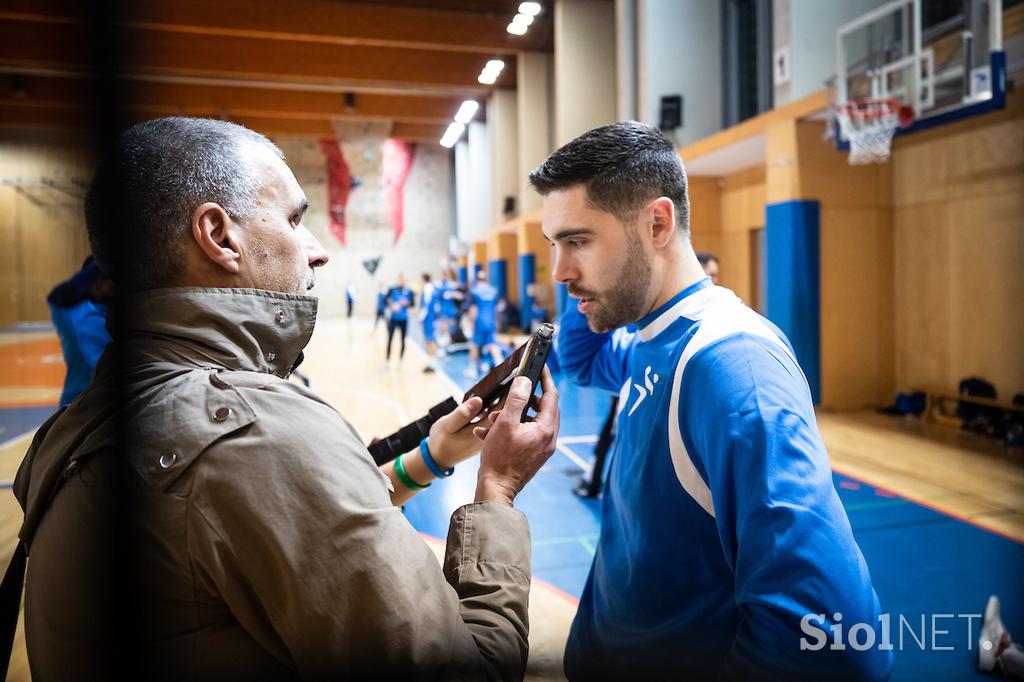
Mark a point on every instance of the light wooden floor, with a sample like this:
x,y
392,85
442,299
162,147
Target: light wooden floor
x,y
961,474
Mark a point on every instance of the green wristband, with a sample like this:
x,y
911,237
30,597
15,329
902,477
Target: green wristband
x,y
404,477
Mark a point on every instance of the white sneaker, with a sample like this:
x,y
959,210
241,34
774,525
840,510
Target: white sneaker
x,y
993,639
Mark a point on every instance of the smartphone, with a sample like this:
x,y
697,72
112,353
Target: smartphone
x,y
527,360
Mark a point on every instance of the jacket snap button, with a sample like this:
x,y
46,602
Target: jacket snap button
x,y
71,468
280,316
221,414
271,356
168,460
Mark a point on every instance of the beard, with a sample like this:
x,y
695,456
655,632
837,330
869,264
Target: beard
x,y
623,301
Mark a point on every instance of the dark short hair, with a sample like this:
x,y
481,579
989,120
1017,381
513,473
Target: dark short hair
x,y
139,206
622,166
703,258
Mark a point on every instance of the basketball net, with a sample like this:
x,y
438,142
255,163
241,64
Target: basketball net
x,y
869,124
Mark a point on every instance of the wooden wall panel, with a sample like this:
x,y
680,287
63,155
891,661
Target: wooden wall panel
x,y
856,290
922,290
44,233
742,209
959,245
705,214
8,255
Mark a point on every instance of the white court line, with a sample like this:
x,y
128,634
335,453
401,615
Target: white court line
x,y
578,439
397,406
564,449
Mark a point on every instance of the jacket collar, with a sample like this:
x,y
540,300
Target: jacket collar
x,y
236,329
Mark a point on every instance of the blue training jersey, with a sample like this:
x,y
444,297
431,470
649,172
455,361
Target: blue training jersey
x,y
485,298
398,301
83,337
720,528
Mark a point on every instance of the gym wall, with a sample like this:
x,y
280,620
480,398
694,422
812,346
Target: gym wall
x,y
423,245
42,228
958,222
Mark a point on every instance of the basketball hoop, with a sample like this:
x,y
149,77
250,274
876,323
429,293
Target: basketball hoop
x,y
869,124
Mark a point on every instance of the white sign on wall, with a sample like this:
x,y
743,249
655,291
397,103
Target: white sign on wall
x,y
780,66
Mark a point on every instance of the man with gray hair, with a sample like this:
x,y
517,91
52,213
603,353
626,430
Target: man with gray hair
x,y
195,515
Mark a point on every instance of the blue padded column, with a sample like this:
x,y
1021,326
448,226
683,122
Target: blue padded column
x,y
527,275
793,298
462,274
497,276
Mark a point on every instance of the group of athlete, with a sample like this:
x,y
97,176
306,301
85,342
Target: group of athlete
x,y
443,304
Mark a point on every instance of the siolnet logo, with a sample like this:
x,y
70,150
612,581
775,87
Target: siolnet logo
x,y
645,390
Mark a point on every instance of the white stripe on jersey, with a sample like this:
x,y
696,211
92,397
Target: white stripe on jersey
x,y
720,314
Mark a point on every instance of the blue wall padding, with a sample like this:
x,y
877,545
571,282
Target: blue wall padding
x,y
527,274
461,273
477,268
497,276
561,299
793,298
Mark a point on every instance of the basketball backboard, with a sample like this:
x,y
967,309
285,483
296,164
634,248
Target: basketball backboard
x,y
942,58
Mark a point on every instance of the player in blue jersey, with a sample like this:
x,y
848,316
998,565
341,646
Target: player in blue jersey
x,y
428,320
483,314
398,301
723,543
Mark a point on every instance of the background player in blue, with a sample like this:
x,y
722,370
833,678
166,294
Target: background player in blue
x,y
428,320
721,529
483,314
398,301
78,308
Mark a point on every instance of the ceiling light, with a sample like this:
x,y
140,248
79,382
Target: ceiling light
x,y
487,78
531,9
524,19
515,29
495,64
466,111
452,134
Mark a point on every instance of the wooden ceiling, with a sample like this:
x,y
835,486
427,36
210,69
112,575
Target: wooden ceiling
x,y
278,66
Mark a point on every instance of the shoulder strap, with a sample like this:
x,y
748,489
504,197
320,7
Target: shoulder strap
x,y
10,605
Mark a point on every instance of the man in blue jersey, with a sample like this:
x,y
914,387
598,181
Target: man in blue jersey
x,y
78,308
722,536
398,301
483,314
428,320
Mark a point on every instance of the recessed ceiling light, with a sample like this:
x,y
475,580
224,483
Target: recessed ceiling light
x,y
452,134
516,29
529,8
487,78
466,111
524,19
495,64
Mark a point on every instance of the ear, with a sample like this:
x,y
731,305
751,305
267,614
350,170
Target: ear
x,y
663,221
215,234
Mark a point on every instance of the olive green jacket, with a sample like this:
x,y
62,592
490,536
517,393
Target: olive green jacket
x,y
196,515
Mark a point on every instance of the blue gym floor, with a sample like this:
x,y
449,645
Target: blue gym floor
x,y
923,562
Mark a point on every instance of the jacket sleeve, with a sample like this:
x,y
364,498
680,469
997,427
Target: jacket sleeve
x,y
308,553
589,359
780,521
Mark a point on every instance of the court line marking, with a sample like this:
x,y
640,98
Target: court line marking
x,y
578,439
564,449
934,507
397,406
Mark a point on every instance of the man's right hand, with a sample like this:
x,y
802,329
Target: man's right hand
x,y
514,451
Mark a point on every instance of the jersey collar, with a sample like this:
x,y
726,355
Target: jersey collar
x,y
656,321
